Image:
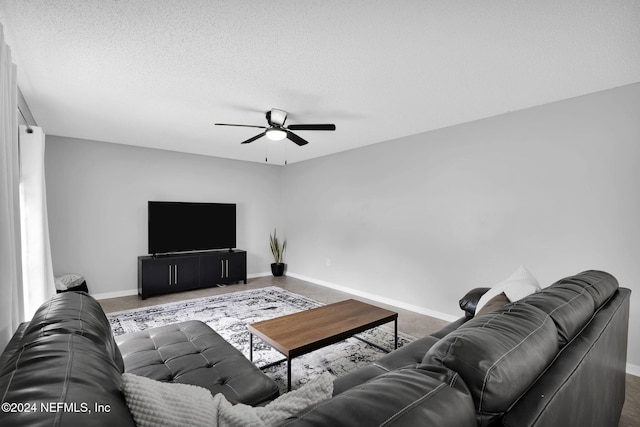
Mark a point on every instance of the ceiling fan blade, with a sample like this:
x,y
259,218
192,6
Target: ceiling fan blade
x,y
244,126
295,138
254,138
312,127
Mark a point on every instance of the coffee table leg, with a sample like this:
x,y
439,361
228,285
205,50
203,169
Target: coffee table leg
x,y
395,324
250,347
288,374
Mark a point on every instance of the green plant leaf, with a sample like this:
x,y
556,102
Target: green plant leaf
x,y
277,248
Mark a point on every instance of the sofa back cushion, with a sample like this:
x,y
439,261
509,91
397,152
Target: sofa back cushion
x,y
64,365
74,313
585,385
498,355
600,285
569,306
572,301
67,380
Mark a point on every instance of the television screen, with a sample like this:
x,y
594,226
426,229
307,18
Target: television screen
x,y
181,226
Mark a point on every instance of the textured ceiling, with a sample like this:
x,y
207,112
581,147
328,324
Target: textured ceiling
x,y
160,73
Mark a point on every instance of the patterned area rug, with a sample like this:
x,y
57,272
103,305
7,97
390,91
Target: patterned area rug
x,y
229,315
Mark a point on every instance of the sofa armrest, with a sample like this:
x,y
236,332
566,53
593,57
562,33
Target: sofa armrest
x,y
469,301
405,397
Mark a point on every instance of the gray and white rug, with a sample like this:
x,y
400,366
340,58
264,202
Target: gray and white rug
x,y
229,315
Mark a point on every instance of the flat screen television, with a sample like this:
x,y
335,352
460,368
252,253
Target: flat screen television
x,y
183,226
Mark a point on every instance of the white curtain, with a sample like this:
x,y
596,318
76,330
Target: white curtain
x,y
37,267
11,308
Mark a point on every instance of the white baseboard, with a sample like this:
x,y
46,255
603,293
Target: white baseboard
x,y
633,369
116,294
255,275
373,297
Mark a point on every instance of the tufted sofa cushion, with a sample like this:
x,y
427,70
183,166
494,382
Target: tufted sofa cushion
x,y
192,353
498,355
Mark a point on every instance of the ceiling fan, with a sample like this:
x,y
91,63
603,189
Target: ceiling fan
x,y
277,130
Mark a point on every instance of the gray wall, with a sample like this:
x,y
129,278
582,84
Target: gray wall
x,y
422,219
417,221
97,199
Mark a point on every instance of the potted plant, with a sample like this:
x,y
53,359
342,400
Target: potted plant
x,y
277,249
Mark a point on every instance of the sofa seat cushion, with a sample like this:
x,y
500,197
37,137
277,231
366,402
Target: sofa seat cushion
x,y
422,396
409,355
193,353
498,355
451,327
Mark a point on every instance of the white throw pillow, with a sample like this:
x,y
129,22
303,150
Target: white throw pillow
x,y
156,403
68,281
517,286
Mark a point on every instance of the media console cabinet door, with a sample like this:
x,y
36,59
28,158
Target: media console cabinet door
x,y
211,269
237,267
223,267
162,275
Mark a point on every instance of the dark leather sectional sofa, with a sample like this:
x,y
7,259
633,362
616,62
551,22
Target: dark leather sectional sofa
x,y
68,354
554,358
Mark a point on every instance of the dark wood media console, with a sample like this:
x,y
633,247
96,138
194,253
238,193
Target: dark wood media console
x,y
181,272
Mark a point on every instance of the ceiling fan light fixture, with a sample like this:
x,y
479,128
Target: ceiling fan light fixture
x,y
276,134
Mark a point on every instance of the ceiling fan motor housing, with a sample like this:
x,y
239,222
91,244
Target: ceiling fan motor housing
x,y
276,117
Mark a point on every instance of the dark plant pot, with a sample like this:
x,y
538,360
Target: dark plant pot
x,y
277,269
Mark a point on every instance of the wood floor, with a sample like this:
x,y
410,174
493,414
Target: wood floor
x,y
409,322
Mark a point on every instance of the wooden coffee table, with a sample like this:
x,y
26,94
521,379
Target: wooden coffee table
x,y
300,333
